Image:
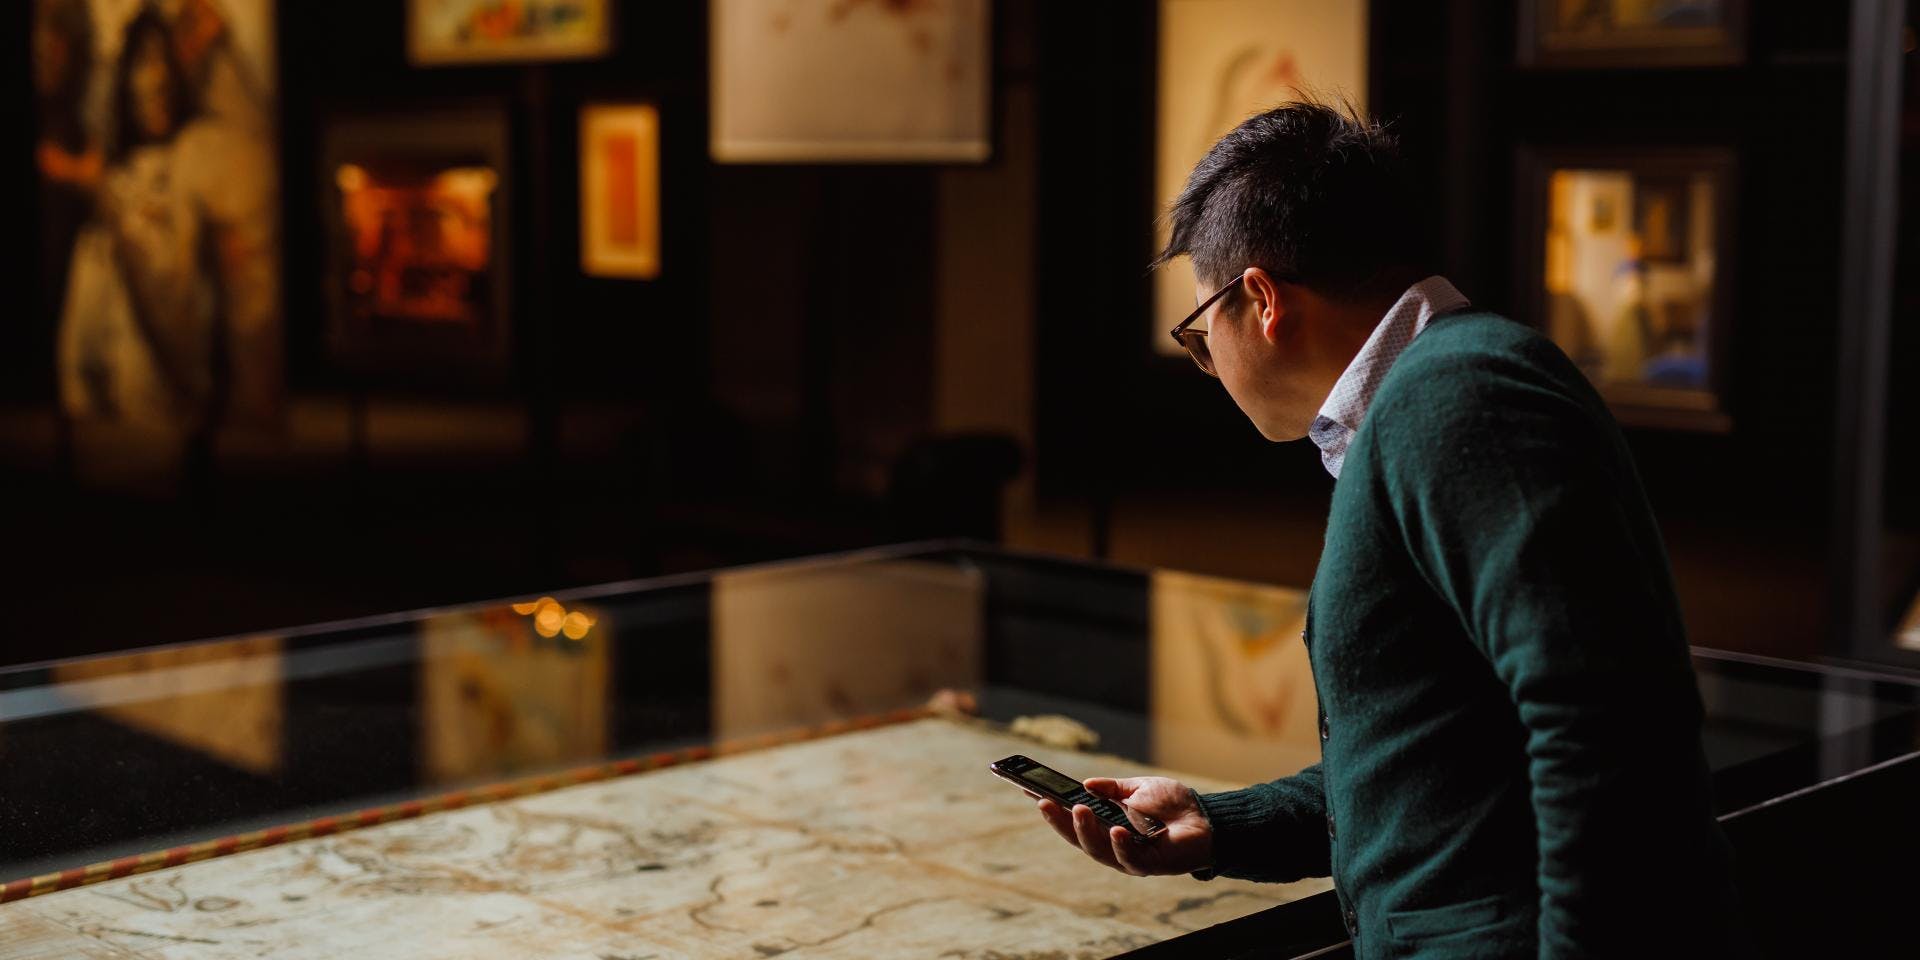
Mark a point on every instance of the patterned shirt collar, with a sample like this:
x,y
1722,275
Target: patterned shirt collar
x,y
1346,407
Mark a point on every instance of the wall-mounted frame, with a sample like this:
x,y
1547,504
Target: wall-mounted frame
x,y
442,32
851,82
1609,34
1625,259
416,210
620,190
1222,61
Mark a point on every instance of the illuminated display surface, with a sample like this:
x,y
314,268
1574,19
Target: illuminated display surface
x,y
791,846
842,847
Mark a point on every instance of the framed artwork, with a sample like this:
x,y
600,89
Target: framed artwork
x,y
492,31
1626,264
158,170
418,262
1632,33
850,81
1222,61
620,190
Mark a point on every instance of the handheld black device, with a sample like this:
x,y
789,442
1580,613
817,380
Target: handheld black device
x,y
1040,780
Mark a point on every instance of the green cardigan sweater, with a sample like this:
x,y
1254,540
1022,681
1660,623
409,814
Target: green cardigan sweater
x,y
1511,761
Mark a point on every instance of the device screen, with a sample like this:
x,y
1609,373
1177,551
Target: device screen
x,y
1051,779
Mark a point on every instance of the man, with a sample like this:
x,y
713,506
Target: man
x,y
1511,761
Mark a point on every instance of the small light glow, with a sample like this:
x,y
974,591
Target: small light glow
x,y
576,625
352,178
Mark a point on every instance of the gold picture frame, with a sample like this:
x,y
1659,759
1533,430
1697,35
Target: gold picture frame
x,y
451,32
620,190
1626,261
1604,34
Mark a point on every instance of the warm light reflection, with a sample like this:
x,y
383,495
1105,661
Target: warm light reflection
x,y
794,646
225,699
551,619
351,177
576,625
1232,692
498,698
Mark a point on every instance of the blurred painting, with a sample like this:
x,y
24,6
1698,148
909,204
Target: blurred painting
x,y
1222,61
421,241
507,690
484,31
822,81
1631,33
418,278
1233,694
160,228
1632,281
620,190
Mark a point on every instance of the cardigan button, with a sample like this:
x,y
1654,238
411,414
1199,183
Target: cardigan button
x,y
1353,923
1326,732
1330,826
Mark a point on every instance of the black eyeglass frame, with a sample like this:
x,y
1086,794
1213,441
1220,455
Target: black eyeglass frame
x,y
1190,339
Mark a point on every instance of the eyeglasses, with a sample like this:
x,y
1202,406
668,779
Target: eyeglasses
x,y
1196,340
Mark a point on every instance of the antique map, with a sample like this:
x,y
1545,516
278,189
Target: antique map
x,y
890,842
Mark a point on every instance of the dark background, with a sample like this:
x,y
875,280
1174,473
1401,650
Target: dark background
x,y
821,336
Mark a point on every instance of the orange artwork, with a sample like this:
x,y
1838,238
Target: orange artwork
x,y
421,242
623,197
620,190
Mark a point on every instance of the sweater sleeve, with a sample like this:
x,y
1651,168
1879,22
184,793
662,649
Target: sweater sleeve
x,y
1273,832
1522,512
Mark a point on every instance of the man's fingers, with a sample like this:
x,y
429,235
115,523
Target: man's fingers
x,y
1129,852
1060,820
1093,836
1110,788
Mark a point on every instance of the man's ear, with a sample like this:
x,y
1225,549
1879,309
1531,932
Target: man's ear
x,y
1269,302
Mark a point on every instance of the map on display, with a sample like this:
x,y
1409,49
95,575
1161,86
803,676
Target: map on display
x,y
886,842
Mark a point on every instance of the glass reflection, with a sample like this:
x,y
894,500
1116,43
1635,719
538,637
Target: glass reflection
x,y
224,699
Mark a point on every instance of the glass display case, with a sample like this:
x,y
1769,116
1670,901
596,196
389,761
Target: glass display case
x,y
780,759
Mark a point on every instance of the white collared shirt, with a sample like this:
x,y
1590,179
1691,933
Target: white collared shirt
x,y
1346,407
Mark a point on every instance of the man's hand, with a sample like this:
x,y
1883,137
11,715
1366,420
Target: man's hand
x,y
1186,846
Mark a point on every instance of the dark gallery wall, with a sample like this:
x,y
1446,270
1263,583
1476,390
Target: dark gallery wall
x,y
1747,513
817,332
765,396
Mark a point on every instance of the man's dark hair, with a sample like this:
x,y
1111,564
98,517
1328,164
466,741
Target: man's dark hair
x,y
1308,192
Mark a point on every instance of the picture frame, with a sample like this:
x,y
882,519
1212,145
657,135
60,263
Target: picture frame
x,y
851,83
620,190
1221,61
1641,302
1608,34
417,211
456,32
